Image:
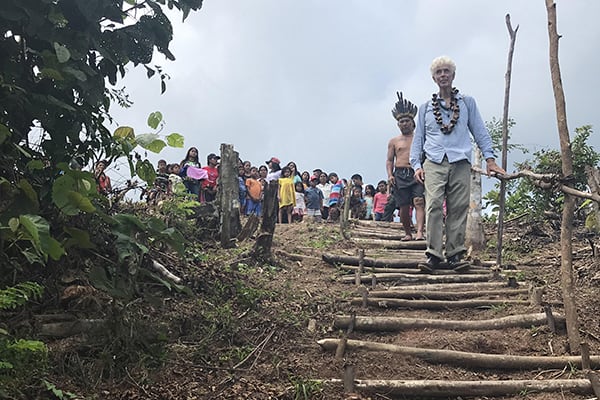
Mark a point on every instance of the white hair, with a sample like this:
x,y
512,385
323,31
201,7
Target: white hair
x,y
442,61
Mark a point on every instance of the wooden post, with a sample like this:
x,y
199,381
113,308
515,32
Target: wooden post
x,y
341,348
566,231
349,378
502,195
228,196
345,214
585,356
264,241
550,318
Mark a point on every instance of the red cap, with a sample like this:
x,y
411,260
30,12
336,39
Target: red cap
x,y
273,159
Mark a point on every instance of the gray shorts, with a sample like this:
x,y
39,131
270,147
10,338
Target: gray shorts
x,y
406,187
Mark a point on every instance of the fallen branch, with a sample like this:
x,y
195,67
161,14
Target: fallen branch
x,y
393,324
161,269
463,358
70,328
392,244
421,278
452,389
369,261
445,295
472,270
452,286
435,304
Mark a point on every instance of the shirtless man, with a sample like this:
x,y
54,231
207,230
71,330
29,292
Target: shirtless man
x,y
406,190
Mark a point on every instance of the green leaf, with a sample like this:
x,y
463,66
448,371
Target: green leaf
x,y
29,192
80,202
78,74
175,140
145,170
13,224
70,195
62,53
51,73
4,133
34,165
154,119
125,133
32,225
151,141
51,246
79,238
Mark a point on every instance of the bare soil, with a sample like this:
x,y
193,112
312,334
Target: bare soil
x,y
277,355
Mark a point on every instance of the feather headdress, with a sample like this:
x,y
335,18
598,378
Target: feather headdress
x,y
403,108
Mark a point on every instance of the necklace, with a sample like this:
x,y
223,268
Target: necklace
x,y
435,102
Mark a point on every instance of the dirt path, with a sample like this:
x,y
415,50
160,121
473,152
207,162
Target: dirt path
x,y
384,337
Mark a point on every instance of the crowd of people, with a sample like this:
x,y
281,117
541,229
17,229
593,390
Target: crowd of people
x,y
437,146
314,196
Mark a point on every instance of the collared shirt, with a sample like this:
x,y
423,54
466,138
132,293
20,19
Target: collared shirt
x,y
456,145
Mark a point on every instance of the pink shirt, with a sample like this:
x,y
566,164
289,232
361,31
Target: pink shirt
x,y
379,202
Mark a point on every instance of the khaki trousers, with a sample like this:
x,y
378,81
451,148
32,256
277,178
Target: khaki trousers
x,y
452,182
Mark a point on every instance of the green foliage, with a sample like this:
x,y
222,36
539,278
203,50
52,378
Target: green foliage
x,y
58,393
494,126
61,60
19,294
22,361
306,389
523,197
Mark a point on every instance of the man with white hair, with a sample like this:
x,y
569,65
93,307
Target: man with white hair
x,y
441,157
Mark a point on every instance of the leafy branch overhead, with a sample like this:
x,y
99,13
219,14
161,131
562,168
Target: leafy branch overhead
x,y
61,60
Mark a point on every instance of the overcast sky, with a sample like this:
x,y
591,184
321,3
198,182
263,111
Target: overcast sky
x,y
314,81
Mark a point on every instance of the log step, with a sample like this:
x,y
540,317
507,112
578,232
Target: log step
x,y
393,324
463,358
451,389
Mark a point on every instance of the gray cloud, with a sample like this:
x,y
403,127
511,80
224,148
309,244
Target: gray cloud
x,y
314,81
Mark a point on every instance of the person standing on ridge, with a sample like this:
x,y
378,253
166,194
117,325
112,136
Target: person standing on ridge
x,y
406,190
442,137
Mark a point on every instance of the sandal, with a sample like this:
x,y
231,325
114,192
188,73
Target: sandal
x,y
407,238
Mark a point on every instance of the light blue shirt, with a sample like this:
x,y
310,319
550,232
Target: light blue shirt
x,y
456,145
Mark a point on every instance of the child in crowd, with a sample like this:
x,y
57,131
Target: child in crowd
x,y
242,190
325,186
357,203
274,173
336,196
161,182
175,181
294,172
357,181
191,160
255,190
300,207
314,200
380,200
102,181
306,179
209,185
287,195
369,193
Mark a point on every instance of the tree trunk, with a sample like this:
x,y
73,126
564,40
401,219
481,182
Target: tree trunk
x,y
502,196
394,324
475,237
264,242
465,359
566,232
228,196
